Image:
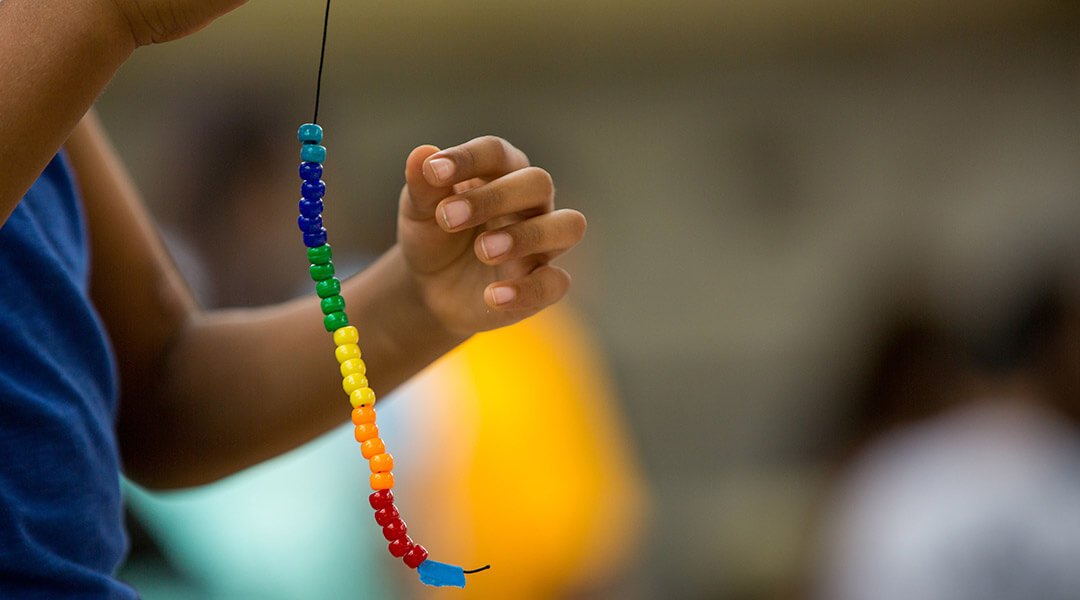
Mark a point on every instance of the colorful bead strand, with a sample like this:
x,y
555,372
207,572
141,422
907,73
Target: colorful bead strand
x,y
354,371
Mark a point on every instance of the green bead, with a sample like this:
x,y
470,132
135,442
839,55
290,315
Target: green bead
x,y
321,272
333,304
335,321
320,255
328,287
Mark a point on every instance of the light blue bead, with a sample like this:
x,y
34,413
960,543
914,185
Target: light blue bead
x,y
440,574
309,133
312,153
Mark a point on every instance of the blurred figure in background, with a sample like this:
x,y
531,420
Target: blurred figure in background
x,y
963,480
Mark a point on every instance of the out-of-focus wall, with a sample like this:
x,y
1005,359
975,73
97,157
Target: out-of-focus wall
x,y
763,181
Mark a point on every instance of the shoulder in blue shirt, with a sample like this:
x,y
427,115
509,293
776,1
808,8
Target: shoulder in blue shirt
x,y
61,525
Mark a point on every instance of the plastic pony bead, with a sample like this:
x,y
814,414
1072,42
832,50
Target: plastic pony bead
x,y
401,546
372,447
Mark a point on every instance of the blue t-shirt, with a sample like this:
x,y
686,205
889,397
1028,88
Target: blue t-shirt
x,y
61,525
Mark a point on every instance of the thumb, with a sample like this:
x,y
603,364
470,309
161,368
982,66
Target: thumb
x,y
421,197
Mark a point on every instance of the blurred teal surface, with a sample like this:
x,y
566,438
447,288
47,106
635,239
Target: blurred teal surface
x,y
293,527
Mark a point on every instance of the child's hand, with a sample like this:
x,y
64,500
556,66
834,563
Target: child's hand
x,y
478,229
156,21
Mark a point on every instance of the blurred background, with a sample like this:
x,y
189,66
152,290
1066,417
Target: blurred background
x,y
820,316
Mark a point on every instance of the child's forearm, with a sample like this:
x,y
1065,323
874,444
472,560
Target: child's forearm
x,y
241,386
57,56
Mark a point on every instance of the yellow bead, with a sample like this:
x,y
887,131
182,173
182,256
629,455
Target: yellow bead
x,y
345,352
362,396
351,383
372,447
353,366
382,463
366,431
346,335
382,481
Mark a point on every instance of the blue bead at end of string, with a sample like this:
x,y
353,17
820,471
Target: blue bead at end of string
x,y
441,575
310,171
312,153
314,240
309,133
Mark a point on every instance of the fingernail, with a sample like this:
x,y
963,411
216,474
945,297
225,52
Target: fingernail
x,y
502,294
455,213
495,244
442,168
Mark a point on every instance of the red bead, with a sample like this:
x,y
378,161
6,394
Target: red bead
x,y
381,499
383,516
394,529
401,546
417,555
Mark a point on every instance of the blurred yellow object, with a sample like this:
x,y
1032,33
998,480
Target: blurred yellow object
x,y
524,464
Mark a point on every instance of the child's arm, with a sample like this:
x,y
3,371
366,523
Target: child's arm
x,y
56,56
208,393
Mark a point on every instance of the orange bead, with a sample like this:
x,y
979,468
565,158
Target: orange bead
x,y
363,414
366,431
372,447
382,481
364,395
382,463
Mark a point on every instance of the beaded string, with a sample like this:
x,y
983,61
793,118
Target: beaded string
x,y
347,352
354,371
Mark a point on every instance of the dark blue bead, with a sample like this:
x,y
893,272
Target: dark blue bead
x,y
310,171
309,225
310,208
313,189
314,240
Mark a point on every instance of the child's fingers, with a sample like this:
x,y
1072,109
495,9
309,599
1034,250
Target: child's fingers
x,y
527,191
488,157
421,196
544,286
547,235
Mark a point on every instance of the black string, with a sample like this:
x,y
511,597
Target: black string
x,y
322,55
484,568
